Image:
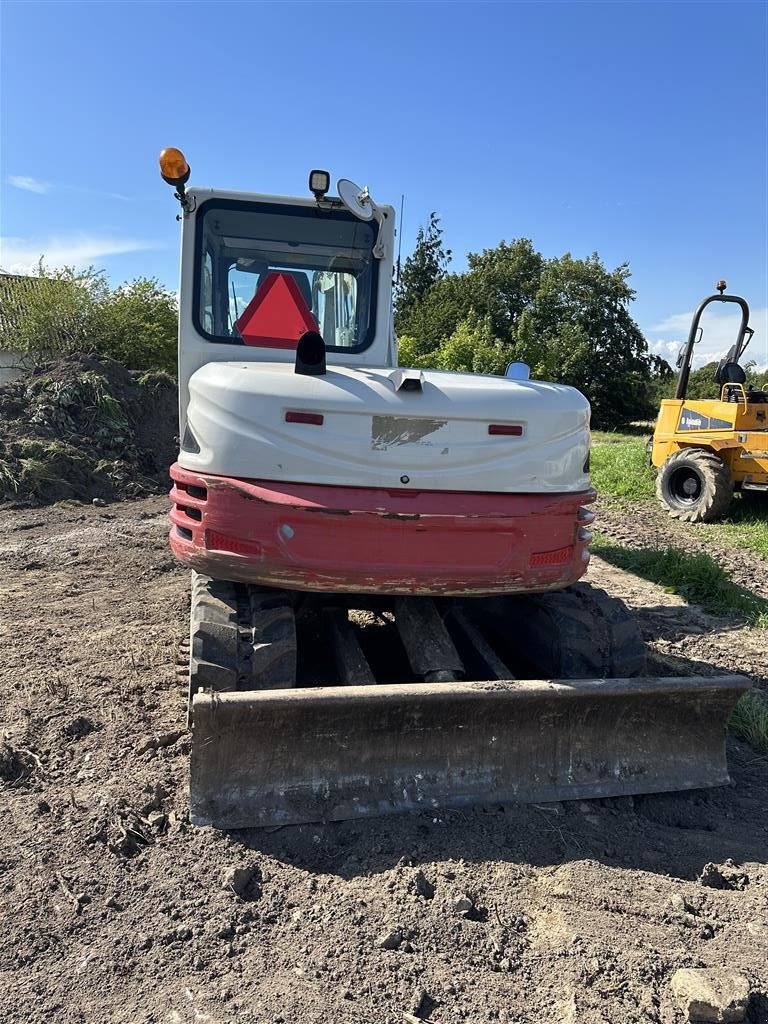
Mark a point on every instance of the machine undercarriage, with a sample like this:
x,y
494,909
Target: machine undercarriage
x,y
309,707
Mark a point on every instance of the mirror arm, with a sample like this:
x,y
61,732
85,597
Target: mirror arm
x,y
380,247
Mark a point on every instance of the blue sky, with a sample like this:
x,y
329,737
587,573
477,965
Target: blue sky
x,y
637,130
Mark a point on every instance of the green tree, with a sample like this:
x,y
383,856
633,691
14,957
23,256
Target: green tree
x,y
578,330
66,311
567,318
51,313
422,269
137,324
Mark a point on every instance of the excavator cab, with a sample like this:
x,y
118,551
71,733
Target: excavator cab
x,y
386,611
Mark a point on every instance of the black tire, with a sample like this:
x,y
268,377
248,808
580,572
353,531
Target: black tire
x,y
241,637
577,633
695,486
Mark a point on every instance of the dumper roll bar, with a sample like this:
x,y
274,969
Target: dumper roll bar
x,y
685,368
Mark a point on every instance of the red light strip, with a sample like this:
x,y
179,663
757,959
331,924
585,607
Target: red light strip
x,y
315,418
507,429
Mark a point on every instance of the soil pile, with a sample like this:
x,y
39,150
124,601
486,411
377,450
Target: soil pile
x,y
86,427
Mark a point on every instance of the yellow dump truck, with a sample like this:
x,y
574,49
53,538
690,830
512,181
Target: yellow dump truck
x,y
706,448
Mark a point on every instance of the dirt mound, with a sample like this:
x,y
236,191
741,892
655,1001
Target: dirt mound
x,y
86,427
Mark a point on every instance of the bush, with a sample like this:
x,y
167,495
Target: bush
x,y
74,312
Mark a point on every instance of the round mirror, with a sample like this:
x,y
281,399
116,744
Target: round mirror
x,y
355,198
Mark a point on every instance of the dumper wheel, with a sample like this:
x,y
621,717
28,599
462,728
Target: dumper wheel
x,y
577,633
695,486
241,637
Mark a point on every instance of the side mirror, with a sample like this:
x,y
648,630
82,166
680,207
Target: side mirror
x,y
518,371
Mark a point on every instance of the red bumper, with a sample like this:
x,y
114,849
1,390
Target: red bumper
x,y
366,540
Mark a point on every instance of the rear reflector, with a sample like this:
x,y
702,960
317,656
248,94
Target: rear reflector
x,y
507,429
559,557
216,541
314,418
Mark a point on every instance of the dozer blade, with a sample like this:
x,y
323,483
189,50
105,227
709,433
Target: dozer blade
x,y
288,756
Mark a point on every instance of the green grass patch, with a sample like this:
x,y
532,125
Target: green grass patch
x,y
746,524
695,577
619,467
749,720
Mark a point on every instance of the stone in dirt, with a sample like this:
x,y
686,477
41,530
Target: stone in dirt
x,y
727,876
711,995
678,902
244,882
391,939
463,906
423,886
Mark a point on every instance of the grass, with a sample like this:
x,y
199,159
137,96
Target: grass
x,y
749,720
619,469
619,466
695,577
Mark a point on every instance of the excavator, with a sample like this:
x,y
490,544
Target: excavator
x,y
386,612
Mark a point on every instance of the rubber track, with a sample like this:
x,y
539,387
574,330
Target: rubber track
x,y
578,633
241,637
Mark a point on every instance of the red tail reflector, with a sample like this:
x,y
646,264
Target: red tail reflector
x,y
315,418
215,541
277,315
507,429
559,557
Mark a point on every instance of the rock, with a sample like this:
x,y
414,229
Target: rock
x,y
463,906
391,939
182,933
99,503
143,940
164,739
158,821
241,882
711,995
417,1001
43,807
146,743
680,903
344,993
714,877
423,886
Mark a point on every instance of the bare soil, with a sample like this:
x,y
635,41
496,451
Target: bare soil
x,y
114,909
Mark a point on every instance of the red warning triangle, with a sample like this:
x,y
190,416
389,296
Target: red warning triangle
x,y
277,315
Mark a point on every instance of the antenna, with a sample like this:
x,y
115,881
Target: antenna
x,y
234,299
400,239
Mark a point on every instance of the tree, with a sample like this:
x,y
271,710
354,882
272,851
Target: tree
x,y
701,383
137,324
471,347
63,312
578,331
422,269
567,318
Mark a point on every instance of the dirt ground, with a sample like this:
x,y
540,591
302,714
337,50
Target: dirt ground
x,y
115,910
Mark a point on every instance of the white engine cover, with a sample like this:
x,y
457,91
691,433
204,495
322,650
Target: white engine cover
x,y
374,435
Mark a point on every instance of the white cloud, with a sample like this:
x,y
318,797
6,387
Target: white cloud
x,y
720,329
21,255
28,184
